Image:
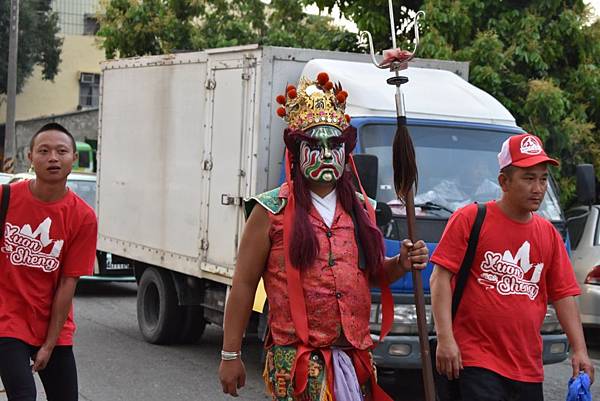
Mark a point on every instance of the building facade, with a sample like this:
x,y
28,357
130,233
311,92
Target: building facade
x,y
72,97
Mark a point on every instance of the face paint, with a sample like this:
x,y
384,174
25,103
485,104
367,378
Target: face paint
x,y
322,158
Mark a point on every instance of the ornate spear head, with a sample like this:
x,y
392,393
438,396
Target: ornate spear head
x,y
404,159
395,59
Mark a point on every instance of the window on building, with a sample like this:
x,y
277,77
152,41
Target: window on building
x,y
89,90
90,24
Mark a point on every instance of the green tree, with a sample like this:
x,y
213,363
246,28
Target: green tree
x,y
373,16
132,28
39,43
538,57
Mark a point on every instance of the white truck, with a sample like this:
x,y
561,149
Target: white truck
x,y
184,138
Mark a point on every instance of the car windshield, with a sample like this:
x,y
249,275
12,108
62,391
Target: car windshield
x,y
456,165
85,189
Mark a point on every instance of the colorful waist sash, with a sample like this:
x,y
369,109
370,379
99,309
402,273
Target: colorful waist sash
x,y
301,373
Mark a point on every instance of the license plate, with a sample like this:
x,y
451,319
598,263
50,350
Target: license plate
x,y
117,266
110,266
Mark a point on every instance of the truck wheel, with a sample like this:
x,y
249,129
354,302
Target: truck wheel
x,y
159,316
193,325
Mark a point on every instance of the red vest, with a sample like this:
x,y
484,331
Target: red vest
x,y
336,290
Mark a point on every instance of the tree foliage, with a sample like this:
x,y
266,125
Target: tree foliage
x,y
540,58
133,28
39,43
373,16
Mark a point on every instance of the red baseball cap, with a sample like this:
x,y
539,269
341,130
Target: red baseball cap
x,y
523,150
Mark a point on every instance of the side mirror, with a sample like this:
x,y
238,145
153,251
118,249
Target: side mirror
x,y
586,184
383,214
367,167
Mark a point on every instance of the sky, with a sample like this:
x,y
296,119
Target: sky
x,y
595,4
349,25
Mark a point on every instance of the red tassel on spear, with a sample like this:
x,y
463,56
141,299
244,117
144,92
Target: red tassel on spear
x,y
405,181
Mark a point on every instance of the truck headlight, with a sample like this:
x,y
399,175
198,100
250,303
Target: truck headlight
x,y
405,319
551,323
374,318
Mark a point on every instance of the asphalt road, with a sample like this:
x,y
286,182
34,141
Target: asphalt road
x,y
116,364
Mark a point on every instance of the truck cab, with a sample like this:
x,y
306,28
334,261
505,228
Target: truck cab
x,y
85,161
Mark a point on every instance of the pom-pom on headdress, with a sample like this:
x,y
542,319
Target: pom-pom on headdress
x,y
312,103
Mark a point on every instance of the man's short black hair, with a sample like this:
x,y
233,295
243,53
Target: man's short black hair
x,y
509,170
53,127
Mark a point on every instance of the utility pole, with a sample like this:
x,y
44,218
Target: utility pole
x,y
10,137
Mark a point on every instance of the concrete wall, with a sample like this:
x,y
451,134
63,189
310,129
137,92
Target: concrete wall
x,y
83,125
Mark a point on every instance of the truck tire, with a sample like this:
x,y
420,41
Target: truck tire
x,y
159,316
193,325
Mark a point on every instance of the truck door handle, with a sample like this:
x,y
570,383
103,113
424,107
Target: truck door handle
x,y
227,200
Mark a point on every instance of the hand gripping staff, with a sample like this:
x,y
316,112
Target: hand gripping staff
x,y
406,177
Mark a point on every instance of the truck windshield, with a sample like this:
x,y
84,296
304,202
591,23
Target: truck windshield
x,y
457,166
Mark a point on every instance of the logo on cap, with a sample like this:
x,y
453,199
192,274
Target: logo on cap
x,y
531,146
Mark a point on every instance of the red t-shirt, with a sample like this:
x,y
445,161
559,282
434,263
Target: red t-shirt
x,y
42,241
518,269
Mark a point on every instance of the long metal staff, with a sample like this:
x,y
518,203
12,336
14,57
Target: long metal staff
x,y
405,180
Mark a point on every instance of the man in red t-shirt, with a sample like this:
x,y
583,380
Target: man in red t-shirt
x,y
48,242
520,266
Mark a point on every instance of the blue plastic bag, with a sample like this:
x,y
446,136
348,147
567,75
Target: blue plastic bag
x,y
579,388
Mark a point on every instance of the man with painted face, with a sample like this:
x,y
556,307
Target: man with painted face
x,y
315,244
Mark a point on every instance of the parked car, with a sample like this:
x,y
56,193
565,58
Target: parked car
x,y
20,177
108,267
584,231
5,178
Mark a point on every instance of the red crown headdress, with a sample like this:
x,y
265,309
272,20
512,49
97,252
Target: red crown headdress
x,y
313,103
